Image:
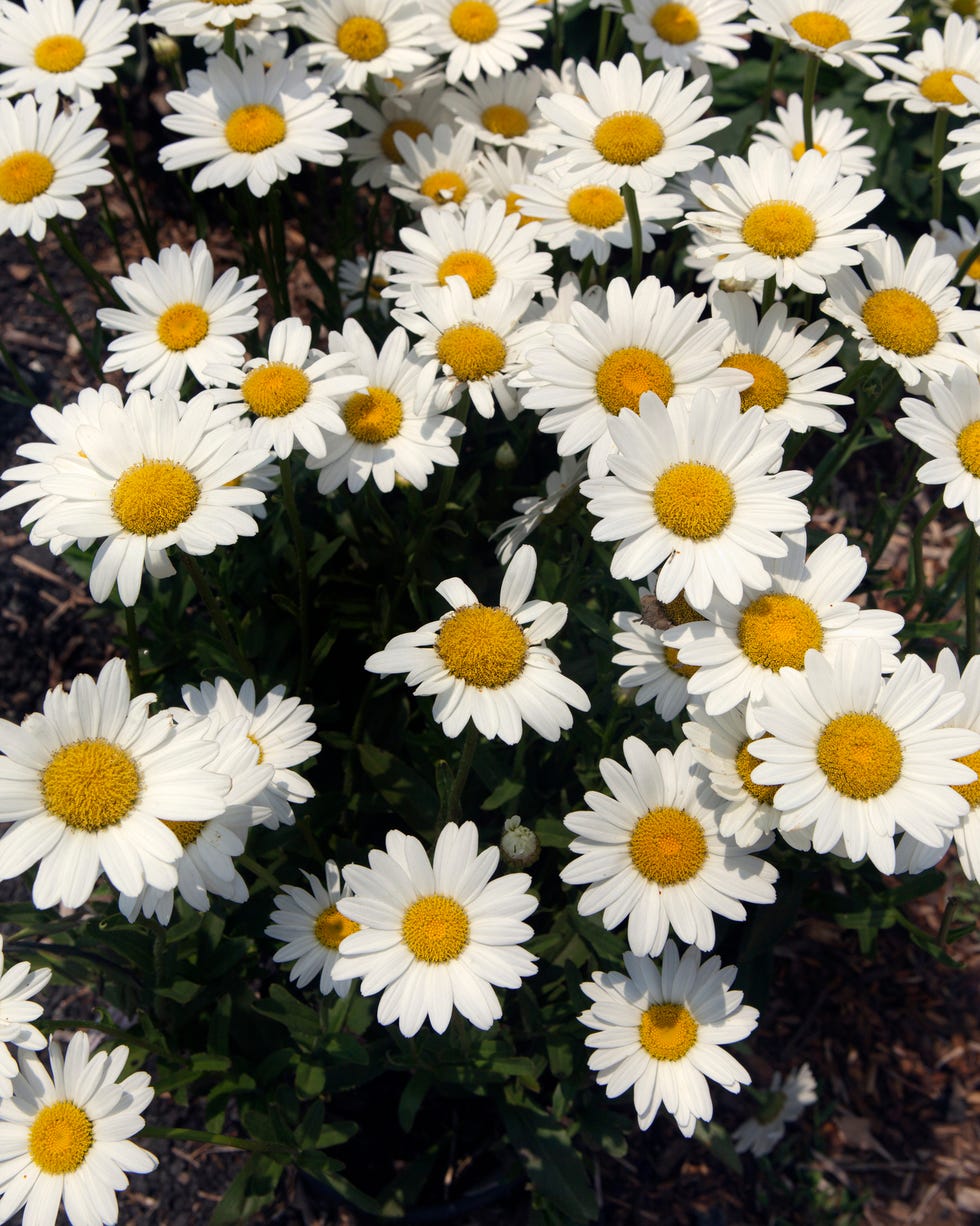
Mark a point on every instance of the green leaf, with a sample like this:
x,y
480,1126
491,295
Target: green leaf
x,y
412,1098
505,791
250,1192
554,1167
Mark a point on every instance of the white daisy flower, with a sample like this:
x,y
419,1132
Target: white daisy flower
x,y
292,394
394,428
613,353
180,17
833,132
278,726
356,39
415,114
487,663
959,244
652,853
18,984
498,177
908,313
835,31
502,110
532,511
620,127
739,648
264,37
436,169
66,1136
488,36
437,936
964,8
652,669
778,218
692,488
688,35
87,783
967,833
787,362
784,1103
661,1033
312,927
352,283
179,318
926,79
858,757
48,159
967,156
47,48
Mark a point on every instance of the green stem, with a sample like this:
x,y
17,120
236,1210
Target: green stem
x,y
454,804
212,1138
133,643
137,201
83,263
973,541
302,572
915,553
228,43
112,229
768,295
585,271
636,231
52,1024
57,302
276,243
947,921
605,22
939,127
221,623
809,93
256,869
23,386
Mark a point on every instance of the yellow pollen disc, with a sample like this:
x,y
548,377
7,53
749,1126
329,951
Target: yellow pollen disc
x,y
60,1137
227,4
331,927
412,128
668,846
362,38
675,24
627,373
441,181
678,612
777,630
822,29
182,326
745,764
252,128
59,53
974,269
23,176
258,745
971,791
938,86
373,416
694,500
860,755
504,120
90,784
800,148
901,321
628,138
275,390
471,351
968,448
474,267
780,229
154,496
964,8
512,203
474,21
668,1032
436,928
186,832
769,386
596,207
482,646
672,656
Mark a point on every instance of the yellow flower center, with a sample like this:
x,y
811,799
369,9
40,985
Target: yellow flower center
x,y
970,791
675,24
668,846
23,176
436,928
373,416
512,203
474,267
628,138
60,1137
504,120
964,8
187,832
769,386
938,86
331,927
678,612
627,373
482,646
860,755
90,784
596,207
471,351
777,630
968,447
673,658
745,764
59,53
154,496
780,229
474,21
254,127
275,390
822,29
695,501
800,148
224,3
901,321
182,326
667,1032
436,185
362,38
973,270
412,128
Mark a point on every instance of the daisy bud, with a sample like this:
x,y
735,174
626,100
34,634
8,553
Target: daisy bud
x,y
504,458
166,50
519,845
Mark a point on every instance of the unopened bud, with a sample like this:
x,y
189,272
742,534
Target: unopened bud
x,y
519,844
504,459
166,50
